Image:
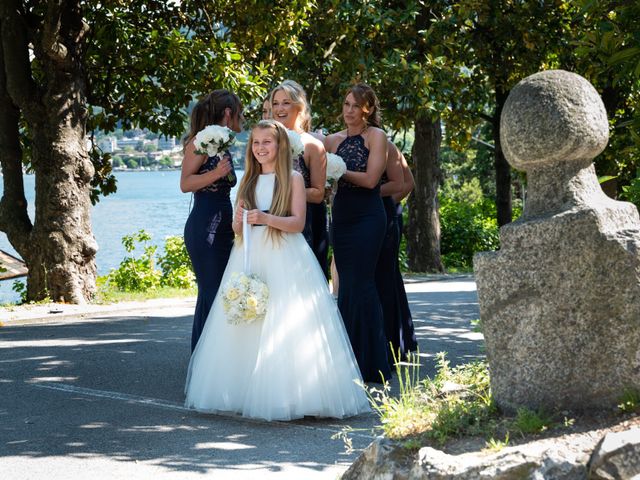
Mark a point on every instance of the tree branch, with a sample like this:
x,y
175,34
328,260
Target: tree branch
x,y
19,82
487,118
51,44
14,220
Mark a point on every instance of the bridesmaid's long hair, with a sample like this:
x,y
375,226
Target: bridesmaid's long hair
x,y
210,111
299,98
281,201
368,101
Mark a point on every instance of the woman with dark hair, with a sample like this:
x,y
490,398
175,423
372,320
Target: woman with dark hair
x,y
208,235
358,228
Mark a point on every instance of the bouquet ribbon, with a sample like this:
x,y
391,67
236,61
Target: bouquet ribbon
x,y
246,238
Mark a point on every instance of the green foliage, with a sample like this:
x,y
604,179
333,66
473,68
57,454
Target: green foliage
x,y
607,53
477,325
21,289
468,409
467,228
631,192
497,445
108,293
131,162
530,421
146,63
470,169
430,407
402,416
175,264
457,402
629,401
136,274
166,162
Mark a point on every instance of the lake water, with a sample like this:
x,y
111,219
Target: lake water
x,y
145,200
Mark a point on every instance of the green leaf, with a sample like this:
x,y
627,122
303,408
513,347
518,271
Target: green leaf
x,y
623,55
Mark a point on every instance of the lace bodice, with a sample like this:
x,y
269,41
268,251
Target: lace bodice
x,y
303,169
355,155
223,184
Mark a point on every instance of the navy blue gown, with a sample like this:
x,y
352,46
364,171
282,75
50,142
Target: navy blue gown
x,y
315,226
398,323
358,230
407,330
208,237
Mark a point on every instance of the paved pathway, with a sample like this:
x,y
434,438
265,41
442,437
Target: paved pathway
x,y
96,392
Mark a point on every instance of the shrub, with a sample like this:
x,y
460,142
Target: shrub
x,y
136,274
175,264
21,289
631,192
467,228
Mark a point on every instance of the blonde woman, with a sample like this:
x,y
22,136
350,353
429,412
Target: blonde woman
x,y
297,361
289,106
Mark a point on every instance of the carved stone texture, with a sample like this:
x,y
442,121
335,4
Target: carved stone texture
x,y
560,300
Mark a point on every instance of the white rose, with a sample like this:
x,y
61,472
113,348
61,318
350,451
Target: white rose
x,y
335,167
295,142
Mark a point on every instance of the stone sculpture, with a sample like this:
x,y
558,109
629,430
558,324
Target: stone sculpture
x,y
560,300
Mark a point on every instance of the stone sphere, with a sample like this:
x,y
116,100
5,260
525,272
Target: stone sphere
x,y
552,116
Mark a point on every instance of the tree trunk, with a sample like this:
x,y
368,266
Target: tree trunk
x,y
503,170
14,220
423,236
60,248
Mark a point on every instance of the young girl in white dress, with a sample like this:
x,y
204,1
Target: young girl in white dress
x,y
298,361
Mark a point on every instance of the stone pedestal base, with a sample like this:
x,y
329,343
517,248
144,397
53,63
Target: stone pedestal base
x,y
560,308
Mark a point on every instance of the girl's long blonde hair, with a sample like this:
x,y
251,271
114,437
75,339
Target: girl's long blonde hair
x,y
281,200
299,98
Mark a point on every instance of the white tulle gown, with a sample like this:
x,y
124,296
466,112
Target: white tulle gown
x,y
298,360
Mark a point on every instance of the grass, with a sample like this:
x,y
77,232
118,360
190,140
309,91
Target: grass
x,y
107,294
630,401
110,294
497,445
456,403
529,421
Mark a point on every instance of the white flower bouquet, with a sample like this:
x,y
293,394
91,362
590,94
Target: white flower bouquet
x,y
214,139
295,142
335,168
244,298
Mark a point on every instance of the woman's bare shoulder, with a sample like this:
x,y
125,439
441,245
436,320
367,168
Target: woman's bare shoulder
x,y
312,142
332,140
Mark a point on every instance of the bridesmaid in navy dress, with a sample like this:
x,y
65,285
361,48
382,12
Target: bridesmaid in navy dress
x,y
289,106
358,229
407,331
397,316
208,235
